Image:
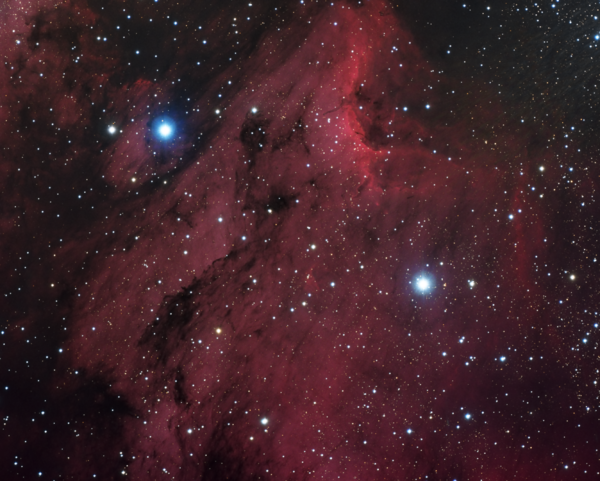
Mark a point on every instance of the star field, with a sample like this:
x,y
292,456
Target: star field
x,y
300,240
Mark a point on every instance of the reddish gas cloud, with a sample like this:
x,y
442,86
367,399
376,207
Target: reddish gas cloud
x,y
239,301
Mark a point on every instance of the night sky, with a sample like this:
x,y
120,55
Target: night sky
x,y
299,240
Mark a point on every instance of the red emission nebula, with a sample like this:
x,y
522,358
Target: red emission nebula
x,y
278,241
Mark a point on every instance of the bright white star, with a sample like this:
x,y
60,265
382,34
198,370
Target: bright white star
x,y
165,130
423,284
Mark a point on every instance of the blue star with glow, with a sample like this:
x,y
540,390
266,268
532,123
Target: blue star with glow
x,y
423,284
164,128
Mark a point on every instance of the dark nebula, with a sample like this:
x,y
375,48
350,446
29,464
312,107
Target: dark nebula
x,y
299,240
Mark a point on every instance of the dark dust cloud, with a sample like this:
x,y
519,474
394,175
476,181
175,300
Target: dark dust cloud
x,y
299,240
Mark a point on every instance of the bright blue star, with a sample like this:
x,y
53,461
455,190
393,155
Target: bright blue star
x,y
164,128
423,284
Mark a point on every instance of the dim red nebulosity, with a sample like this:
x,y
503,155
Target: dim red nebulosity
x,y
239,298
